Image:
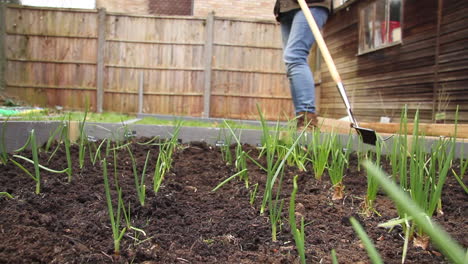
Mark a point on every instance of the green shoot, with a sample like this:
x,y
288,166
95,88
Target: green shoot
x,y
139,181
299,235
241,160
3,151
371,251
372,186
253,194
336,168
57,131
451,249
334,257
35,161
6,195
83,138
164,160
320,153
228,180
115,219
67,151
97,153
463,166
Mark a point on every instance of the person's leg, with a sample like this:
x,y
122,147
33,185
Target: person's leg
x,y
298,40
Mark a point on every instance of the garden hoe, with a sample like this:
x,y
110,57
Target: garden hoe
x,y
368,135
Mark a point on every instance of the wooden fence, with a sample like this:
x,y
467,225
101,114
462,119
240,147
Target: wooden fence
x,y
187,66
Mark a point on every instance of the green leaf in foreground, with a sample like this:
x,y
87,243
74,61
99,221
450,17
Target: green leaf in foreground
x,y
371,251
451,249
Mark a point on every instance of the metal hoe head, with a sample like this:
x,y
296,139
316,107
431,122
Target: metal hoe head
x,y
368,135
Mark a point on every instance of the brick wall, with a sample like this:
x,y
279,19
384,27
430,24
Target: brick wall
x,y
261,9
137,7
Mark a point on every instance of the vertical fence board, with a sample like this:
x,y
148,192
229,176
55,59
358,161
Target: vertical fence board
x,y
208,65
3,61
100,59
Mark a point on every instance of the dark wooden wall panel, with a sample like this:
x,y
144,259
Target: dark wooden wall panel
x,y
382,82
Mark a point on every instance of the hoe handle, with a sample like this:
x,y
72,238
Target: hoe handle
x,y
327,57
320,42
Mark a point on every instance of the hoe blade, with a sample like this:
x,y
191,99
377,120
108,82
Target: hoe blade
x,y
368,135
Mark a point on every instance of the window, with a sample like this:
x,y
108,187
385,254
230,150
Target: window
x,y
339,3
379,25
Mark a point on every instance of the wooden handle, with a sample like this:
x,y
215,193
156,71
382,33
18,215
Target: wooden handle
x,y
320,42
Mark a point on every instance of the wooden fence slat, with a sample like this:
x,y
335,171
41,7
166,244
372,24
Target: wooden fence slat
x,y
208,64
3,60
100,60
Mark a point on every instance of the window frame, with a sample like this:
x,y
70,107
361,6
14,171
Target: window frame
x,y
361,30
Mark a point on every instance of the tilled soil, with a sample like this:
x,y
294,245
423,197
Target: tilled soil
x,y
185,222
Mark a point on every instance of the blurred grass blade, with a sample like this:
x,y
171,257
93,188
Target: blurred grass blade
x,y
371,251
451,249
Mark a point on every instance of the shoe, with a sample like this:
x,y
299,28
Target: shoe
x,y
306,119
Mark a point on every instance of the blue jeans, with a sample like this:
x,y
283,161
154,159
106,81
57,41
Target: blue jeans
x,y
297,42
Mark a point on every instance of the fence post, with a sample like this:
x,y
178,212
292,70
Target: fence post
x,y
140,93
208,64
3,60
100,59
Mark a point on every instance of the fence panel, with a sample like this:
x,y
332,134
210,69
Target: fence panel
x,y
63,56
50,56
248,70
168,51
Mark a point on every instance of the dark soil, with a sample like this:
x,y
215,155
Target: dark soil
x,y
187,223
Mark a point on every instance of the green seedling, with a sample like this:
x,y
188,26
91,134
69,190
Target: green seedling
x,y
164,160
241,157
3,152
253,194
117,232
320,152
334,257
336,168
370,248
372,186
6,195
139,180
35,161
298,234
83,137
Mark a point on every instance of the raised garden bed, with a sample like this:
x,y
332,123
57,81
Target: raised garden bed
x,y
186,222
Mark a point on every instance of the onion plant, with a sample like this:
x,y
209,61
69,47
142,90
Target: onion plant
x,y
225,147
57,132
240,162
321,150
370,248
450,248
428,173
139,180
115,218
164,160
66,135
372,185
35,161
253,194
275,168
336,168
298,234
461,172
83,139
